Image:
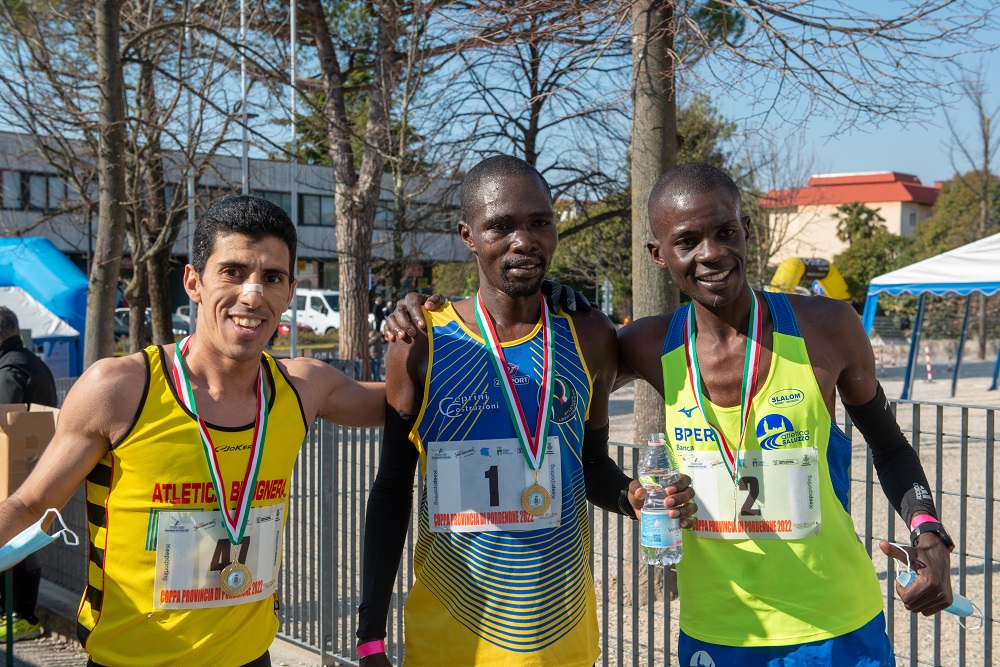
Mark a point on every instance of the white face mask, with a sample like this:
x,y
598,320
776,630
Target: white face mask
x,y
33,538
961,606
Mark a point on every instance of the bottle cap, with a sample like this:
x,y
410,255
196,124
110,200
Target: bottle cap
x,y
657,439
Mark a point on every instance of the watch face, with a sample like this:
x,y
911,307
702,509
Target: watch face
x,y
932,527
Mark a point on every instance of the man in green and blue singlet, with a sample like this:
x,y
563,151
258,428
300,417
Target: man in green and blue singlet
x,y
749,381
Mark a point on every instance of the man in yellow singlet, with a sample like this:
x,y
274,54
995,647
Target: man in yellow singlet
x,y
773,572
187,451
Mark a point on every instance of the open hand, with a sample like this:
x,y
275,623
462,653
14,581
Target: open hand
x,y
402,323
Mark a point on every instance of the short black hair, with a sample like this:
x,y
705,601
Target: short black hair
x,y
9,326
497,166
251,216
694,178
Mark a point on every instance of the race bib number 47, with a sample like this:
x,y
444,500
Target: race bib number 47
x,y
476,486
192,550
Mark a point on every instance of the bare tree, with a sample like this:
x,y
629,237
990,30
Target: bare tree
x,y
48,88
836,58
978,154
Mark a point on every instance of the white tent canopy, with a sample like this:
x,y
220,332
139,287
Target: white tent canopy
x,y
969,269
34,316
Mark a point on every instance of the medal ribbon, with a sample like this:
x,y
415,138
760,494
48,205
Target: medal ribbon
x,y
751,364
235,523
534,449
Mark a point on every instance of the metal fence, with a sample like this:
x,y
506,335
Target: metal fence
x,y
321,578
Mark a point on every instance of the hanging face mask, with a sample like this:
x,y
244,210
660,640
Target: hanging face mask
x,y
33,538
961,606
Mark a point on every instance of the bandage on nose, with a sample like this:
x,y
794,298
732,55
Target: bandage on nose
x,y
253,287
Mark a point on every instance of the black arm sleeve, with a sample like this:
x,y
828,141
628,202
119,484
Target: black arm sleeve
x,y
607,485
386,520
896,462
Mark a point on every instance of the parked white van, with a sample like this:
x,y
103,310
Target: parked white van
x,y
318,308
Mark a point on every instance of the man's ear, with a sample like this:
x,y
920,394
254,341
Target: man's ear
x,y
465,232
746,226
654,249
192,283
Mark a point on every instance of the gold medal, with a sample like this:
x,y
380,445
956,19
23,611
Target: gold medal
x,y
235,579
536,500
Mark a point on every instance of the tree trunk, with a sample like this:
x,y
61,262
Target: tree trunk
x,y
101,293
654,150
356,192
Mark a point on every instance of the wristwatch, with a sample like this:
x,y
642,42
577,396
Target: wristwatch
x,y
932,527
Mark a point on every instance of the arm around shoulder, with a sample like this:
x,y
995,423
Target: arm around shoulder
x,y
330,395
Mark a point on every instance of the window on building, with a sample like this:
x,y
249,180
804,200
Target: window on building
x,y
913,219
12,195
57,193
38,192
282,199
317,211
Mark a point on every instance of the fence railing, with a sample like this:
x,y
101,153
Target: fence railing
x,y
321,575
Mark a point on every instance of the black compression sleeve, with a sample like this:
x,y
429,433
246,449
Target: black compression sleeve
x,y
607,485
896,462
386,520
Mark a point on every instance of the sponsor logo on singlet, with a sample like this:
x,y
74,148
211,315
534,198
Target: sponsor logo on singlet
x,y
564,400
457,406
774,431
786,398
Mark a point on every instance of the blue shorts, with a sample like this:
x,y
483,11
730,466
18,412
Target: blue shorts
x,y
868,646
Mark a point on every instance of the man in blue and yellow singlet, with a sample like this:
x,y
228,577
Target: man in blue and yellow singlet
x,y
505,406
187,451
773,572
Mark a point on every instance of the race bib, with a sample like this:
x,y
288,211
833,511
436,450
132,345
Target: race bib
x,y
192,549
777,497
476,486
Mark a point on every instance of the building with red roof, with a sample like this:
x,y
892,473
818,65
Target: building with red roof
x,y
804,217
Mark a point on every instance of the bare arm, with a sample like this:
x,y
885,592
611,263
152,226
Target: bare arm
x,y
639,348
97,412
332,396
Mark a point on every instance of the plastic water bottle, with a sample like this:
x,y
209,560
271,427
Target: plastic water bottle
x,y
661,536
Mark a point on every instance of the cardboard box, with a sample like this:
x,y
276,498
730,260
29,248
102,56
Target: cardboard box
x,y
25,432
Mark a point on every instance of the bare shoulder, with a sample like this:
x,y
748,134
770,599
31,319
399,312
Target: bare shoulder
x,y
640,345
825,319
598,342
593,324
104,399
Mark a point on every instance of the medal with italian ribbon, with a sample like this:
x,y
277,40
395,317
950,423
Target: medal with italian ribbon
x,y
536,499
235,578
751,364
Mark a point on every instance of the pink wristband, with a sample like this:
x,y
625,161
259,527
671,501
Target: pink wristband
x,y
371,648
921,518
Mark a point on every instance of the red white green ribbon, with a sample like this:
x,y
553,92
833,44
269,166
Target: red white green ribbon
x,y
235,522
534,449
751,364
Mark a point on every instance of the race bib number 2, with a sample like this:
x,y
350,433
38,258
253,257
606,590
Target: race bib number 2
x,y
776,498
192,550
476,486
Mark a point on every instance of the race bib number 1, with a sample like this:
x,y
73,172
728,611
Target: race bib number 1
x,y
475,486
192,549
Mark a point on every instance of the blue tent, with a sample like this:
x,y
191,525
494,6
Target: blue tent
x,y
964,271
41,270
